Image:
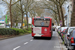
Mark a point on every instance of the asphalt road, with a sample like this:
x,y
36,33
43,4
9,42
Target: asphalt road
x,y
27,42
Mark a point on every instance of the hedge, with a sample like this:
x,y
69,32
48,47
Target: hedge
x,y
6,31
13,31
18,30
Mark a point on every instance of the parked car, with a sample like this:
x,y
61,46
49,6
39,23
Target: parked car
x,y
62,29
63,34
69,30
71,40
57,28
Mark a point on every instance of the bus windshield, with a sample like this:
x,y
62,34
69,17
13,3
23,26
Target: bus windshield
x,y
41,23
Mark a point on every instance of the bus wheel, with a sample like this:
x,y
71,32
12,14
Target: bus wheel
x,y
49,38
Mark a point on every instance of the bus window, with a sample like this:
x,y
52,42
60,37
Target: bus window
x,y
41,23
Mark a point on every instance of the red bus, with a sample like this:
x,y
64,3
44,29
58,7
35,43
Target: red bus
x,y
42,27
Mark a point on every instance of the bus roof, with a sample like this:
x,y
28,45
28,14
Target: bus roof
x,y
41,17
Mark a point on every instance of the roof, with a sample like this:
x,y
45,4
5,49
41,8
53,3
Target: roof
x,y
69,28
41,17
62,28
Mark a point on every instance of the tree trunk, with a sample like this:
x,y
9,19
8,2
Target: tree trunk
x,y
10,14
56,18
61,11
58,15
22,15
58,9
73,15
27,19
62,16
22,20
27,13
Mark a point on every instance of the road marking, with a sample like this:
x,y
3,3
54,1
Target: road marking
x,y
31,40
25,43
16,47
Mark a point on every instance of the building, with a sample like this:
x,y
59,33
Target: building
x,y
2,22
69,11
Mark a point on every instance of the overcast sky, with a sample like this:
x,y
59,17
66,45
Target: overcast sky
x,y
2,10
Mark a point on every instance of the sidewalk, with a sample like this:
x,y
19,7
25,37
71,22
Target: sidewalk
x,y
62,46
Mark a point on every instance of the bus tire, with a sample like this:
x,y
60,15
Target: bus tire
x,y
50,38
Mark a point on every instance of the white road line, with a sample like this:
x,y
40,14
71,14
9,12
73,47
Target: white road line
x,y
25,43
31,40
16,47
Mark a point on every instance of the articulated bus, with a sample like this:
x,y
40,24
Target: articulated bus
x,y
42,27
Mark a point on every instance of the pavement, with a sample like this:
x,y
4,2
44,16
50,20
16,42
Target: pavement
x,y
27,42
62,46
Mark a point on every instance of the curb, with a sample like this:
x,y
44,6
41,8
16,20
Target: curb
x,y
62,46
12,37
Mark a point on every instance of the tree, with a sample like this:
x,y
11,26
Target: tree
x,y
59,3
10,4
22,13
25,8
16,14
56,7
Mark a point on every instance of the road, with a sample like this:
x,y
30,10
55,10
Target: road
x,y
27,42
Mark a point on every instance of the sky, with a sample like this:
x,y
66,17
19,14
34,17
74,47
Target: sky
x,y
2,10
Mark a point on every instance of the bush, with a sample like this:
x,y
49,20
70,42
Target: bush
x,y
18,30
14,31
28,31
22,30
6,31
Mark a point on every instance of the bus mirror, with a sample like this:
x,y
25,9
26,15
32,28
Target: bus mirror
x,y
52,24
68,35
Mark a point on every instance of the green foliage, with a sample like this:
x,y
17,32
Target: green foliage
x,y
59,32
14,31
25,23
28,30
30,24
6,31
18,30
63,36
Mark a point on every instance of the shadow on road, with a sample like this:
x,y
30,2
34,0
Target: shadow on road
x,y
45,38
41,38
